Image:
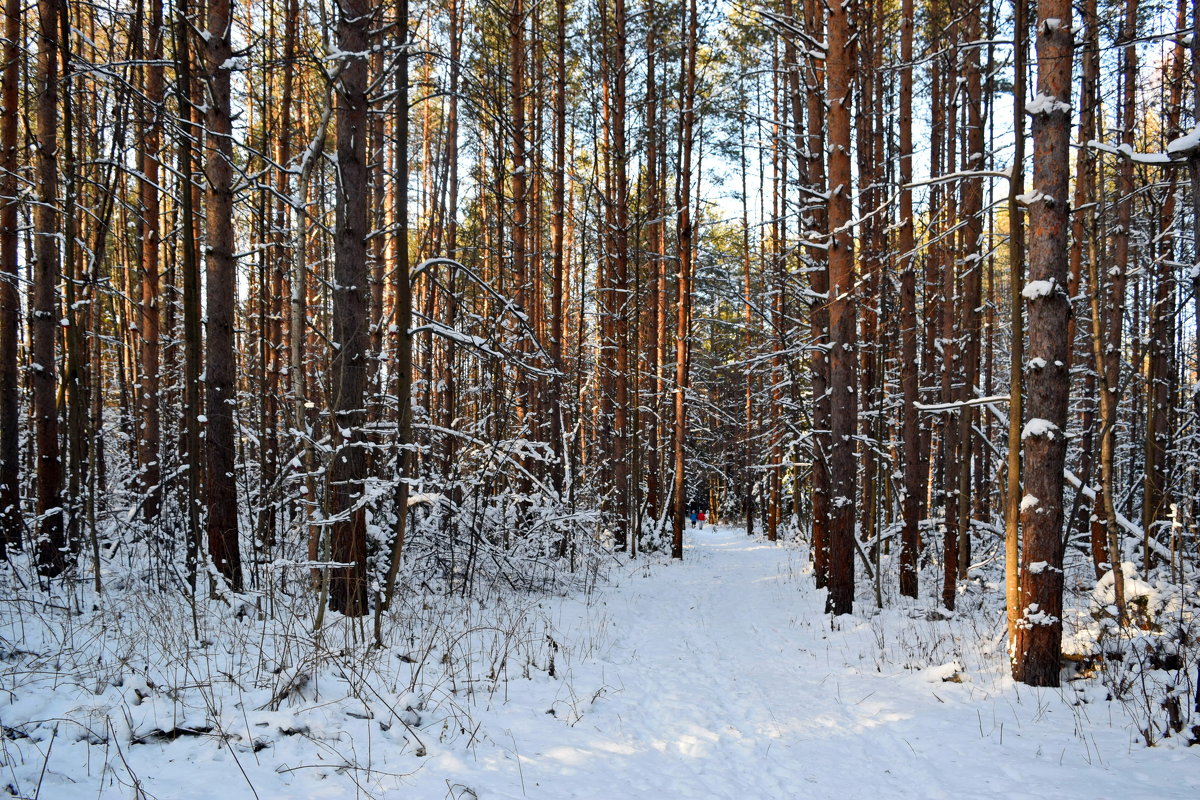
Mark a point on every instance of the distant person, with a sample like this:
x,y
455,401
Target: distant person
x,y
700,518
692,516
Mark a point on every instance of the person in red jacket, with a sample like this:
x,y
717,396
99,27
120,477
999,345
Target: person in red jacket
x,y
700,519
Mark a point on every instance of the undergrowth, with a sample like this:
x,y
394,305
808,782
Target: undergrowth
x,y
148,664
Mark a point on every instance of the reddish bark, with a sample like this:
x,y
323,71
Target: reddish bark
x,y
842,315
220,294
1039,630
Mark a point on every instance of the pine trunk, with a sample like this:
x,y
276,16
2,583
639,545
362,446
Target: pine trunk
x,y
913,472
43,324
220,295
351,318
151,472
686,234
842,316
10,301
1039,631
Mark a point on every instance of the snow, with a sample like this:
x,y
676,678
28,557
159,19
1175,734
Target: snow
x,y
1036,289
1128,152
1135,589
1046,104
1034,616
424,499
1150,158
1038,427
1187,144
718,677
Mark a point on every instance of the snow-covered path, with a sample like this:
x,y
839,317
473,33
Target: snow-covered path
x,y
723,680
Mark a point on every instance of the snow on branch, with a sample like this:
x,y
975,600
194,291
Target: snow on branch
x,y
507,307
1135,530
977,401
1185,146
1125,151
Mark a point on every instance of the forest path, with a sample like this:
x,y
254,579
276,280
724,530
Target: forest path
x,y
720,684
722,679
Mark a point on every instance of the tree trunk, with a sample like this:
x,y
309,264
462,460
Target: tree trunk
x,y
747,469
621,483
279,261
974,247
1155,491
913,473
1016,258
221,298
192,343
949,464
1117,275
151,471
1085,194
351,318
816,218
1039,631
402,290
43,325
686,234
11,524
842,315
778,317
557,232
74,383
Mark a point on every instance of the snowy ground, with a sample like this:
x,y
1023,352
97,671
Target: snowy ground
x,y
716,678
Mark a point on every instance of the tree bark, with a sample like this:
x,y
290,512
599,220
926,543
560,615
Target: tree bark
x,y
911,504
686,234
221,298
1039,631
74,378
557,241
816,220
1085,194
11,524
402,290
973,251
1016,258
43,326
842,314
148,455
621,482
193,345
351,318
275,305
